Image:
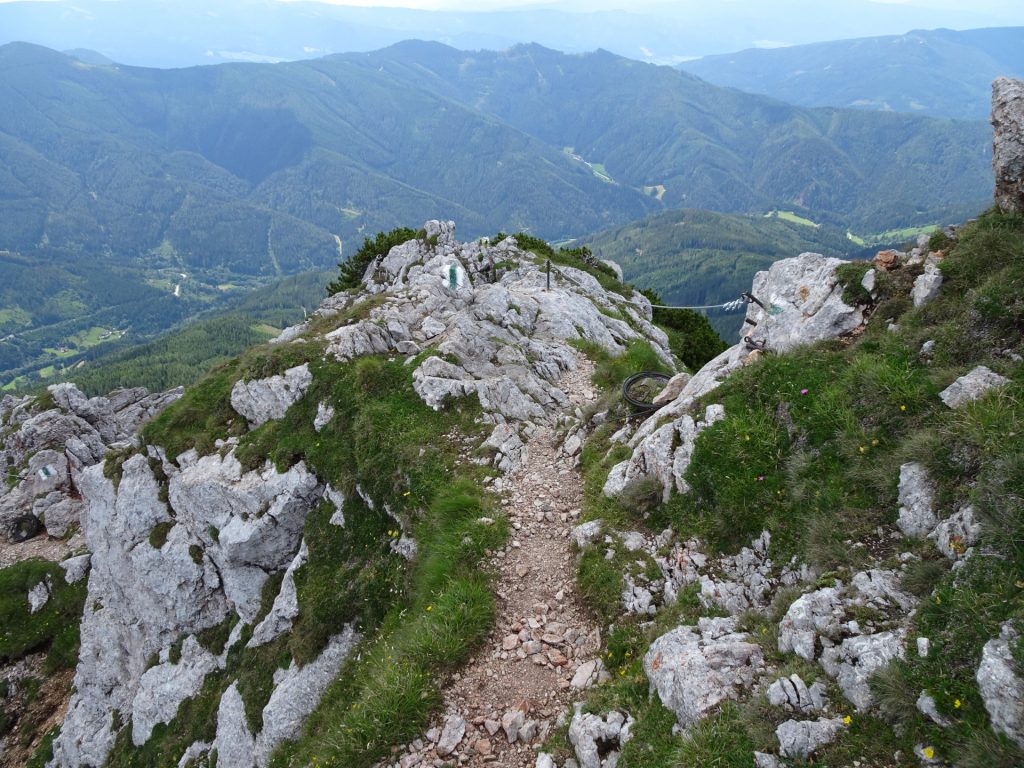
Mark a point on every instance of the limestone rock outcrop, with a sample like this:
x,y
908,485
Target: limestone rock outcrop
x,y
1008,143
503,342
1001,686
181,544
695,668
46,448
799,301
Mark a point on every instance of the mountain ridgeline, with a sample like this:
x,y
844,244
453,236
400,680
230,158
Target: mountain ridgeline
x,y
941,72
255,168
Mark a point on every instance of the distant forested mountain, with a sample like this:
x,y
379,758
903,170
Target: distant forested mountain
x,y
190,185
180,33
942,72
693,144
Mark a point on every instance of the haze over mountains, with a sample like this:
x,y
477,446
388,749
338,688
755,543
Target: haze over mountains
x,y
185,32
942,72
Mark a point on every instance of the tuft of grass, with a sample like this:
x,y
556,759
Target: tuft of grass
x,y
850,276
922,575
895,695
642,494
986,749
158,534
600,583
215,638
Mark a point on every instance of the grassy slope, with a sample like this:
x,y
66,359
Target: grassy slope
x,y
52,630
830,459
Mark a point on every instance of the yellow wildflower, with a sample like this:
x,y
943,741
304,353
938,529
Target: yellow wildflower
x,y
928,752
847,720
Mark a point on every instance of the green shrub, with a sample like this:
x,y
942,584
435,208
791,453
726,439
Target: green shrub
x,y
352,270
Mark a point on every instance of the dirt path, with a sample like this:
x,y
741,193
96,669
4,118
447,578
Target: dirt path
x,y
503,703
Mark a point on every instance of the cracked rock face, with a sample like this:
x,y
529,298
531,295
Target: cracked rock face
x,y
249,524
230,530
695,668
792,694
1008,143
141,600
297,692
163,687
49,448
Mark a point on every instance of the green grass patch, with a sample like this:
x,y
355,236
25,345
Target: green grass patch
x,y
386,696
53,627
793,218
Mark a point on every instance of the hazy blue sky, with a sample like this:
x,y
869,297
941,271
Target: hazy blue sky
x,y
1011,9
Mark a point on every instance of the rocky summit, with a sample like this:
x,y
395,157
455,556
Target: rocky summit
x,y
183,543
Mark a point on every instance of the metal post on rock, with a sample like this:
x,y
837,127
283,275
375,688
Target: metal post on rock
x,y
548,288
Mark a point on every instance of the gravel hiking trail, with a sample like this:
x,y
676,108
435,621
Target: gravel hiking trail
x,y
501,705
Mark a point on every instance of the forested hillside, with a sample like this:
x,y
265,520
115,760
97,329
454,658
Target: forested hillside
x,y
134,198
686,142
181,356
